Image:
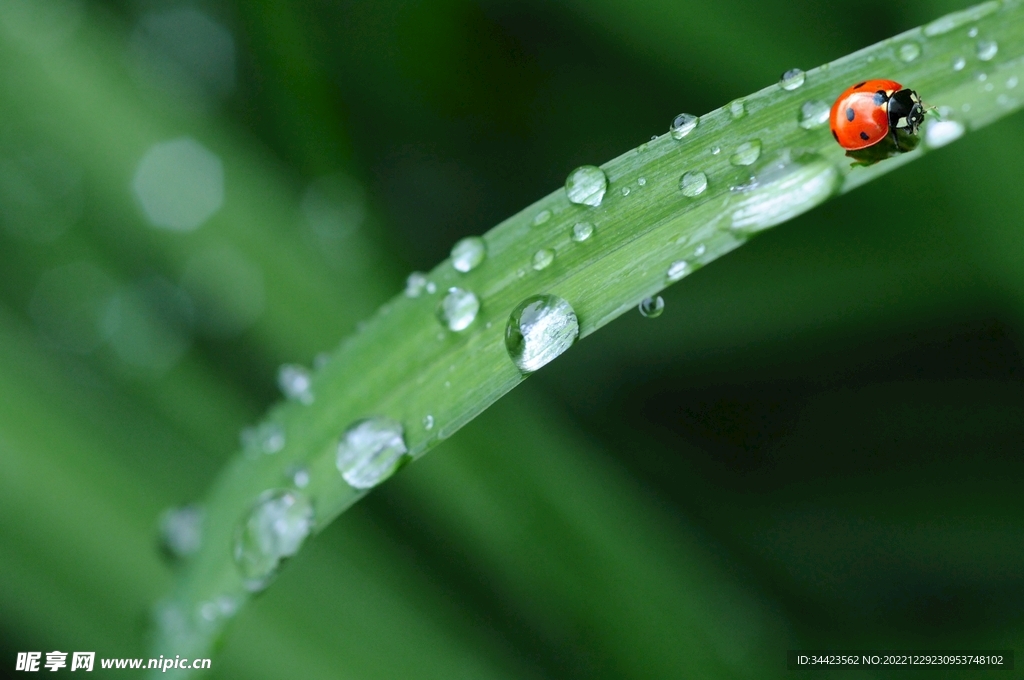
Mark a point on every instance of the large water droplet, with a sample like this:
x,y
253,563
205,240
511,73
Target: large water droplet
x,y
458,309
942,132
693,183
581,231
539,330
784,190
737,109
677,270
542,258
652,307
959,63
682,125
370,451
181,531
987,49
265,438
415,284
468,253
274,529
813,114
909,51
586,185
792,79
296,383
746,153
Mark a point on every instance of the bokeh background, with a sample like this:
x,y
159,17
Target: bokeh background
x,y
817,445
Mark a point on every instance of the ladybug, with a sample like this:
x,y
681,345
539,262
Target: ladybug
x,y
874,110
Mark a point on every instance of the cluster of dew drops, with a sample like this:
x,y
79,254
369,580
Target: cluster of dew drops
x,y
539,329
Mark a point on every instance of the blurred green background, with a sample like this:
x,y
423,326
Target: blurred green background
x,y
818,445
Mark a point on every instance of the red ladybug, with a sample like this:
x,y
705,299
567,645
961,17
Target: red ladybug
x,y
869,111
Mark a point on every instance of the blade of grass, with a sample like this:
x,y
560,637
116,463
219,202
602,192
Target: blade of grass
x,y
404,366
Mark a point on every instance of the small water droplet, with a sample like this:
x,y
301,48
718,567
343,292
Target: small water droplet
x,y
370,451
415,284
909,51
541,217
296,383
792,79
586,185
468,253
677,270
458,309
682,125
431,287
737,109
987,49
642,181
959,63
942,132
981,77
642,148
181,531
652,307
299,476
693,183
746,153
1011,82
274,529
428,422
542,258
539,330
715,150
223,607
581,231
654,137
699,250
625,191
265,438
972,32
813,114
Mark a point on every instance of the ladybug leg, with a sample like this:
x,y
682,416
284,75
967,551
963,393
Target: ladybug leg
x,y
896,140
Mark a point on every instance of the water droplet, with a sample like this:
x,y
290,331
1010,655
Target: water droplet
x,y
431,287
813,114
458,309
266,438
542,258
299,476
715,150
274,529
693,183
942,132
909,51
652,307
699,250
746,153
468,253
625,191
784,190
987,49
792,79
1011,82
677,270
682,125
581,231
737,109
370,451
223,607
642,181
296,383
415,284
428,422
972,32
586,185
539,330
541,217
181,531
959,63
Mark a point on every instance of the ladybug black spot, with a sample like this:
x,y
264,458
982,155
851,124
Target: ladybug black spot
x,y
864,136
879,98
849,114
859,85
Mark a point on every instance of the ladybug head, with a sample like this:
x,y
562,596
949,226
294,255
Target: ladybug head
x,y
906,112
